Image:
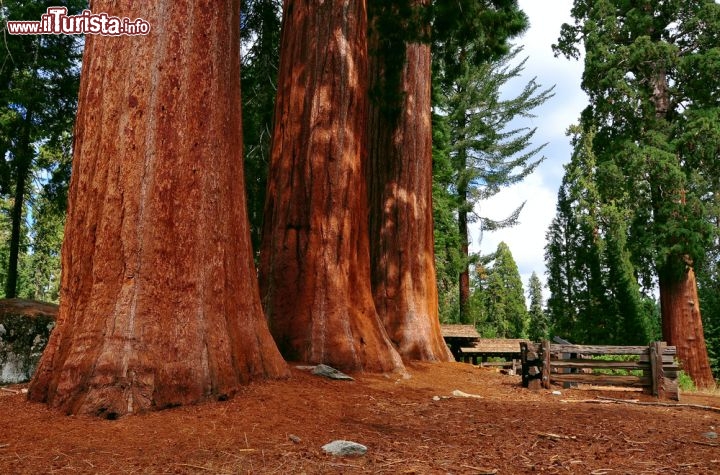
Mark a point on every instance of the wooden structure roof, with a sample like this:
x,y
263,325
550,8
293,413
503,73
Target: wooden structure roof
x,y
459,331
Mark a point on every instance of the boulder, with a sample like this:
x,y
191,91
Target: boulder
x,y
25,327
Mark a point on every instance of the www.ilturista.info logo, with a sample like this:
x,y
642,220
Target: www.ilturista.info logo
x,y
57,22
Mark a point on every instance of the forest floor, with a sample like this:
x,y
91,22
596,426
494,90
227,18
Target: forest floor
x,y
410,425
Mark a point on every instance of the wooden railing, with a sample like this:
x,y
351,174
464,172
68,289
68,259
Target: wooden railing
x,y
653,369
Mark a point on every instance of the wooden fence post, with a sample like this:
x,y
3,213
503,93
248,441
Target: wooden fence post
x,y
546,364
656,363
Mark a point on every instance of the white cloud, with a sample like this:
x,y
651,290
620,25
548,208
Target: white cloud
x,y
527,239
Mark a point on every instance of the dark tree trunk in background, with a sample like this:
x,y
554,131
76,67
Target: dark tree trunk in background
x,y
23,159
464,278
160,304
401,221
314,259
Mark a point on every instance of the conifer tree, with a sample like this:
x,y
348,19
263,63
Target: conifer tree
x,y
539,325
595,297
505,312
39,77
485,154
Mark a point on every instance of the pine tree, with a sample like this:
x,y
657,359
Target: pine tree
x,y
539,325
486,156
503,296
650,74
595,296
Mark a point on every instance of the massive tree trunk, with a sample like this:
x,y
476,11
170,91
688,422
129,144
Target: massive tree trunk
x,y
314,260
401,223
159,304
682,325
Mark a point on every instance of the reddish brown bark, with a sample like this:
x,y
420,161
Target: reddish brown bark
x,y
160,304
683,328
314,260
402,246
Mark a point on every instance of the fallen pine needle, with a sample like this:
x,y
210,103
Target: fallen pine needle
x,y
4,446
11,391
481,471
549,435
601,471
195,466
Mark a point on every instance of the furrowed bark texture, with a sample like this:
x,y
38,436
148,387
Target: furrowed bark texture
x,y
402,246
160,304
683,328
314,265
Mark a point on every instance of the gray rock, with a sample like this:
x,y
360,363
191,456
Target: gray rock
x,y
330,372
25,328
344,448
710,435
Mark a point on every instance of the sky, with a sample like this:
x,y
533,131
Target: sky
x,y
539,190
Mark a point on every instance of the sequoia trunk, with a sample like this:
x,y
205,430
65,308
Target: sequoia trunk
x,y
682,325
160,304
400,191
314,260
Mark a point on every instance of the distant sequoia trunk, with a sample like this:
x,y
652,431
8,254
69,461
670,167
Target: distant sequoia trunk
x,y
400,188
160,304
314,259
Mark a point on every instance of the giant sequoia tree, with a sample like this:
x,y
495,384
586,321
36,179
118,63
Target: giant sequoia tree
x,y
315,257
650,72
160,304
400,182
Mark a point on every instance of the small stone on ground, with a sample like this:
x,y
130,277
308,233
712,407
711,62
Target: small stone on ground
x,y
344,448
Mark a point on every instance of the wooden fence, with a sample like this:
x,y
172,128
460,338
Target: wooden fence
x,y
653,367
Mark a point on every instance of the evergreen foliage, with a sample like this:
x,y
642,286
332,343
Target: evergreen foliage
x,y
483,152
39,78
651,73
260,36
504,313
595,297
539,324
